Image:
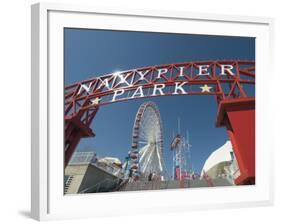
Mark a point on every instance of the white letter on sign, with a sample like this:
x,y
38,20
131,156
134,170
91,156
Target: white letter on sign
x,y
85,87
104,83
142,74
226,68
203,70
181,71
138,92
179,87
161,71
158,87
117,92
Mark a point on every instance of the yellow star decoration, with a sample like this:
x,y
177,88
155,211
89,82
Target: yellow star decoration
x,y
205,88
96,101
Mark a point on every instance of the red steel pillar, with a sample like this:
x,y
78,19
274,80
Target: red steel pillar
x,y
238,116
75,130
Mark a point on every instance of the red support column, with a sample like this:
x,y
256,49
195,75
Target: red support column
x,y
238,116
71,145
75,131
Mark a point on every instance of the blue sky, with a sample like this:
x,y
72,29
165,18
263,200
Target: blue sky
x,y
91,53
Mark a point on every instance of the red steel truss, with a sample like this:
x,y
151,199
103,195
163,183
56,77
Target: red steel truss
x,y
223,79
80,96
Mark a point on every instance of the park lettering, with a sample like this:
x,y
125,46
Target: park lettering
x,y
178,87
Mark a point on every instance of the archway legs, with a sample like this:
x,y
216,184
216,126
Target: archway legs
x,y
75,130
238,117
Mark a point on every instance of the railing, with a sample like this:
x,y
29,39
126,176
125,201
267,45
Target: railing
x,y
234,169
82,158
116,171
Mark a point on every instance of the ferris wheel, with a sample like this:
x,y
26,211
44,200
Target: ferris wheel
x,y
146,156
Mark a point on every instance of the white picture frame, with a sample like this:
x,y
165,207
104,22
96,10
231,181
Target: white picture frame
x,y
48,201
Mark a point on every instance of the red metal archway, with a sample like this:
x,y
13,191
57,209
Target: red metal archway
x,y
229,81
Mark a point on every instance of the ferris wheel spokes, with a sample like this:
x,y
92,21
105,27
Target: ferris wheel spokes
x,y
148,141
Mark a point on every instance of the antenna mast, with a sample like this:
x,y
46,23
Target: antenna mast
x,y
181,156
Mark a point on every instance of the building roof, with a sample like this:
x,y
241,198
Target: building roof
x,y
222,154
110,160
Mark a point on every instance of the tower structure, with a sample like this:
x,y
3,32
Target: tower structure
x,y
180,147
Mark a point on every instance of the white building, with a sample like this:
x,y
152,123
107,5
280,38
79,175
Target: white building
x,y
221,164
